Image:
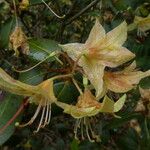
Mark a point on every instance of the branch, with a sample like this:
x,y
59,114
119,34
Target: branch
x,y
82,11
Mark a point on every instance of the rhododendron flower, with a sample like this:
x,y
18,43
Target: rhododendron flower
x,y
88,106
141,23
42,95
123,81
100,50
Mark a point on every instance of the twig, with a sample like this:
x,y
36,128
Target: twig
x,y
60,17
77,86
82,11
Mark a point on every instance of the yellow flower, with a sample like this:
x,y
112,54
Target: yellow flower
x,y
123,81
87,106
100,50
42,95
142,23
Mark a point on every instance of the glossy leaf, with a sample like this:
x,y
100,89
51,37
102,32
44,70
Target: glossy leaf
x,y
5,30
42,48
8,107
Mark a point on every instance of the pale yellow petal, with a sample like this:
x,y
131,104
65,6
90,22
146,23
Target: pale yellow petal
x,y
131,67
74,50
96,34
115,56
103,93
117,36
119,104
107,105
84,112
94,72
46,90
142,23
137,19
77,112
9,84
121,82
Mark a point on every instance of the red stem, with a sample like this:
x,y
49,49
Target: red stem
x,y
23,105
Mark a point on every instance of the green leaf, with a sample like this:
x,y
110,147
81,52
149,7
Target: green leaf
x,y
66,92
5,30
33,77
8,108
42,48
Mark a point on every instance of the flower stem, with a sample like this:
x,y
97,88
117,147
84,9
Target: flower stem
x,y
77,86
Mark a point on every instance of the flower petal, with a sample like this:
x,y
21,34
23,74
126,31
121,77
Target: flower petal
x,y
115,56
94,72
46,90
117,36
9,84
96,34
131,67
121,82
110,106
74,50
77,112
107,105
119,104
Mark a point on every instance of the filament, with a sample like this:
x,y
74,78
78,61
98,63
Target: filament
x,y
87,130
82,130
49,115
46,115
41,120
34,116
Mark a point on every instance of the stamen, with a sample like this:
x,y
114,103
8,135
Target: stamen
x,y
77,125
82,129
87,130
49,115
85,126
47,111
92,132
34,116
46,115
41,120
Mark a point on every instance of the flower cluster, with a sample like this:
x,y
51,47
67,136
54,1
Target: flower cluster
x,y
100,50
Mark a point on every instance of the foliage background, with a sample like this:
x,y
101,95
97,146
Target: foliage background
x,y
41,27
